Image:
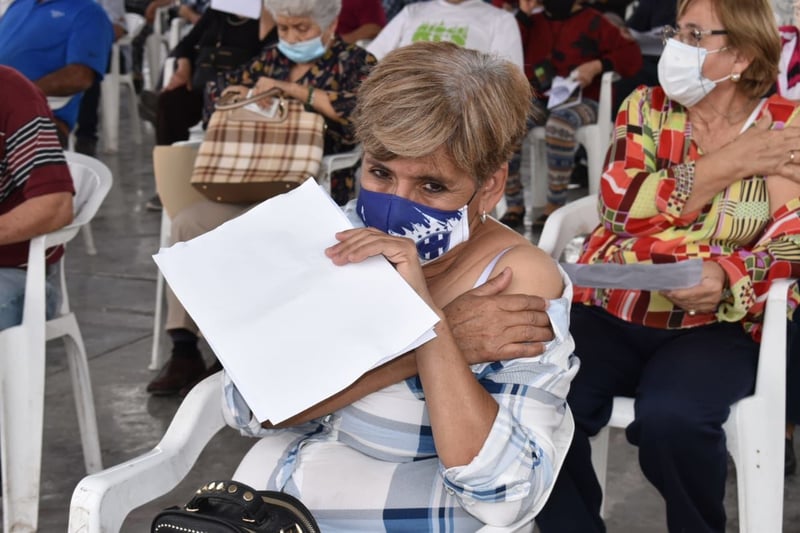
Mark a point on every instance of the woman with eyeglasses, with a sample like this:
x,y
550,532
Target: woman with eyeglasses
x,y
703,167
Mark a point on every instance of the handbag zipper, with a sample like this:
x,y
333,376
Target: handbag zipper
x,y
307,525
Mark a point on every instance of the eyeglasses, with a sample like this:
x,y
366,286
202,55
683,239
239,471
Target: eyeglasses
x,y
690,35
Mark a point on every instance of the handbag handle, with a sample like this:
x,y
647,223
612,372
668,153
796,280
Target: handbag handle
x,y
234,100
246,498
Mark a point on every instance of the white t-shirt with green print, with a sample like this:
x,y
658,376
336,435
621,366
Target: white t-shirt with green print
x,y
472,24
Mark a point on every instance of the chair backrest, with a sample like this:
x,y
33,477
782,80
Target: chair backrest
x,y
133,23
570,220
172,167
92,179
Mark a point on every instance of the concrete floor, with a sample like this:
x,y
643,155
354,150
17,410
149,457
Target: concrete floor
x,y
113,296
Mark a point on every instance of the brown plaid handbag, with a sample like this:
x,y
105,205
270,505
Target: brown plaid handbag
x,y
247,157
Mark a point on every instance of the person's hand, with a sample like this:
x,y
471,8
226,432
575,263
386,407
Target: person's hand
x,y
239,90
182,75
265,84
767,152
586,72
489,326
355,245
704,297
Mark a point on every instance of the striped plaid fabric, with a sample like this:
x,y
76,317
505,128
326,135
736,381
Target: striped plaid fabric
x,y
246,157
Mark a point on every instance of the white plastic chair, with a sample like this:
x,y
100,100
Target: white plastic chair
x,y
164,38
101,501
180,171
57,102
22,368
111,85
756,425
98,167
594,137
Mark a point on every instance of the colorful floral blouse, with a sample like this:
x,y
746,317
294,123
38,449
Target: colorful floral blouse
x,y
647,181
339,72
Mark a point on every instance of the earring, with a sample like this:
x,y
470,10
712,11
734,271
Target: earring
x,y
735,77
483,217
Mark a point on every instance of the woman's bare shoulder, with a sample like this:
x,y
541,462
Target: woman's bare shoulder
x,y
534,271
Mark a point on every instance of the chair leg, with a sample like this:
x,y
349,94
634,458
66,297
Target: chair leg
x,y
133,110
155,352
82,391
21,425
109,103
756,446
88,239
600,461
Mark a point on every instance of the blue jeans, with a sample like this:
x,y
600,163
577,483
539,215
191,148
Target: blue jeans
x,y
12,294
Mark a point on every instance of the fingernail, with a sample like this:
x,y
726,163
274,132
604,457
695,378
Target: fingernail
x,y
778,125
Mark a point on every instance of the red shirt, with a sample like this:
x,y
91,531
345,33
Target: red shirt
x,y
32,162
568,43
357,13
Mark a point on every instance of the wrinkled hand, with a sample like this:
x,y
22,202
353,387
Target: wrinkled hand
x,y
263,85
355,245
586,72
489,326
704,297
767,152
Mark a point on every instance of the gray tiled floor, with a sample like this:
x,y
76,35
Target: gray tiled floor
x,y
113,295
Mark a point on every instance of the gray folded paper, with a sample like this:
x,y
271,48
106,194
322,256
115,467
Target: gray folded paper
x,y
662,277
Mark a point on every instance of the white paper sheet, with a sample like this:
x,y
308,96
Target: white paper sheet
x,y
289,326
245,8
564,92
662,277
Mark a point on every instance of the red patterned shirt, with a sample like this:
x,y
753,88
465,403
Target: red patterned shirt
x,y
648,178
31,159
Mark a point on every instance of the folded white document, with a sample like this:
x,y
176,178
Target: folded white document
x,y
289,326
662,277
564,92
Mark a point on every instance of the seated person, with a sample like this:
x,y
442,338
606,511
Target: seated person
x,y
704,166
549,38
360,20
440,440
325,76
35,191
60,45
472,24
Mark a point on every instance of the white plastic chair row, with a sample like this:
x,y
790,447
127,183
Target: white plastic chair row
x,y
756,425
161,42
22,363
112,83
178,168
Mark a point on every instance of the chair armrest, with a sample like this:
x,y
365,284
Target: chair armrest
x,y
101,501
771,375
567,222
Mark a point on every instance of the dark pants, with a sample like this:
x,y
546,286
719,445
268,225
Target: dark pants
x,y
178,110
684,382
87,113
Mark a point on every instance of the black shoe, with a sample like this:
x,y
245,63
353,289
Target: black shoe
x,y
86,146
513,219
154,204
176,374
213,369
148,106
790,461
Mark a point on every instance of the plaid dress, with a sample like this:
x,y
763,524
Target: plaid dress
x,y
372,466
647,180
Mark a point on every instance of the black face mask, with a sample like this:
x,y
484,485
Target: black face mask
x,y
558,9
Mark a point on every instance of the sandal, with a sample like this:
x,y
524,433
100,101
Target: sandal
x,y
513,219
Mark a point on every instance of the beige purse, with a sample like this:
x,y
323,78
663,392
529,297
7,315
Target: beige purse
x,y
247,157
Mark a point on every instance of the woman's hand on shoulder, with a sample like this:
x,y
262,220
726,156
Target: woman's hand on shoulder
x,y
765,150
356,245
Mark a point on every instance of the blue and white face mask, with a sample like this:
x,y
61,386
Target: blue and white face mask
x,y
303,51
434,231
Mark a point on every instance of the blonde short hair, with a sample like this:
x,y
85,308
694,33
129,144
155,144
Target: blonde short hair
x,y
752,30
435,94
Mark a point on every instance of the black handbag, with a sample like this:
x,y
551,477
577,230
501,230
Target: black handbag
x,y
232,507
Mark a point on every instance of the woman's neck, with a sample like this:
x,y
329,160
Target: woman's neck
x,y
723,112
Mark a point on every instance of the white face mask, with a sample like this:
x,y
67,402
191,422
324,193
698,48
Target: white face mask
x,y
680,72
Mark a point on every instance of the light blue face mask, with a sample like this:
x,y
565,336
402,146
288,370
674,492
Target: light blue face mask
x,y
304,51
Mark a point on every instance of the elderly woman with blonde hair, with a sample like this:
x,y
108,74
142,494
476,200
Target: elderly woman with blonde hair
x,y
434,440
